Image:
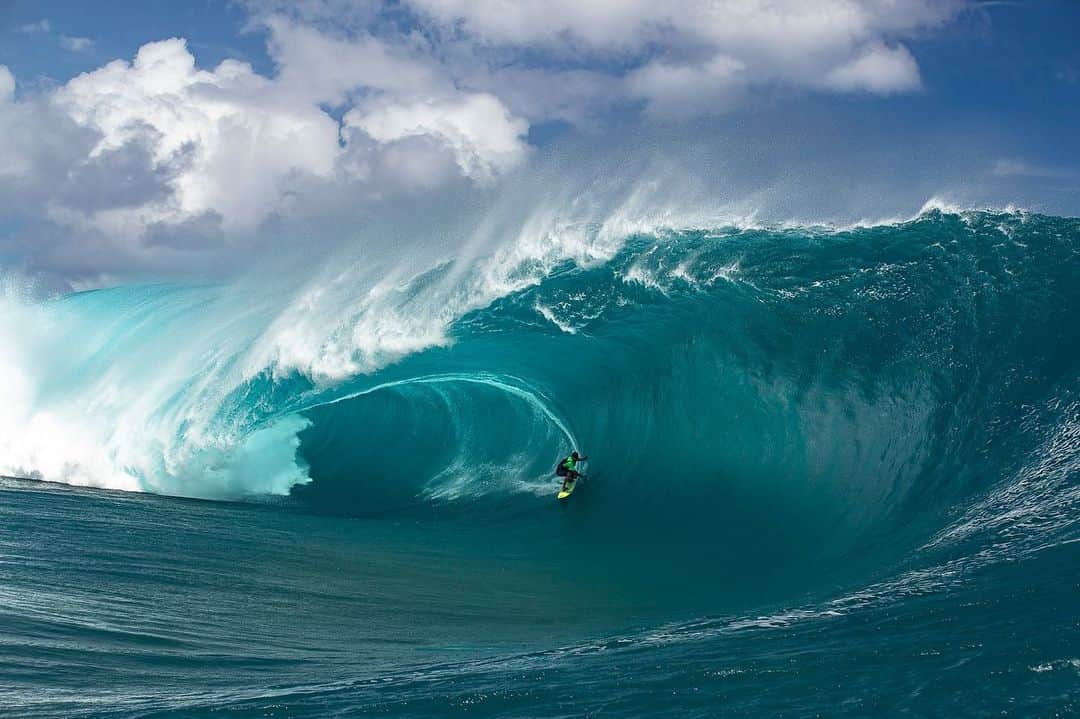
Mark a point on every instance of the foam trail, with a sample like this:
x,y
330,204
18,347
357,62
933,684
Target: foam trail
x,y
531,396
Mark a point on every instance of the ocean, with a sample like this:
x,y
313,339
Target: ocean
x,y
832,472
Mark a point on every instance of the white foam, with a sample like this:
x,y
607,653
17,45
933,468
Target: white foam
x,y
549,315
1057,664
639,274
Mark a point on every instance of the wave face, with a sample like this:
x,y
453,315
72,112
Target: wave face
x,y
812,391
790,431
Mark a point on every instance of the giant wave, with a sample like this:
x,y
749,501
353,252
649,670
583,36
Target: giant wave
x,y
832,468
814,391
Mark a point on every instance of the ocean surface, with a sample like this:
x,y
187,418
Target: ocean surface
x,y
832,472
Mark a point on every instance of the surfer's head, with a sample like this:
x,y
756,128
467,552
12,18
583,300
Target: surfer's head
x,y
575,455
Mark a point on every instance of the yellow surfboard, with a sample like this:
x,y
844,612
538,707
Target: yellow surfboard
x,y
567,489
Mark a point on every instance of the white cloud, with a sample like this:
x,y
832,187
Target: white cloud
x,y
237,146
233,140
147,164
76,44
878,69
696,56
485,138
316,67
584,57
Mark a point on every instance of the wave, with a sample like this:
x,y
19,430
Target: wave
x,y
829,396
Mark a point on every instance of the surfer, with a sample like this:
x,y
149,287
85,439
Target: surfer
x,y
567,468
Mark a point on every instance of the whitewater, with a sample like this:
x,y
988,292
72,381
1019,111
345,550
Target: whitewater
x,y
834,471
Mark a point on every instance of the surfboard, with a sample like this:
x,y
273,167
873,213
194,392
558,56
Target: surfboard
x,y
569,488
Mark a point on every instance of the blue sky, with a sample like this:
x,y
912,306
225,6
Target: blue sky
x,y
837,110
214,30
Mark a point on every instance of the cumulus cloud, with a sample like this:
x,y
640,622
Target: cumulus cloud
x,y
483,136
156,149
233,142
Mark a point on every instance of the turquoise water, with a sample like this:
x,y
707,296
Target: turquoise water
x,y
833,472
